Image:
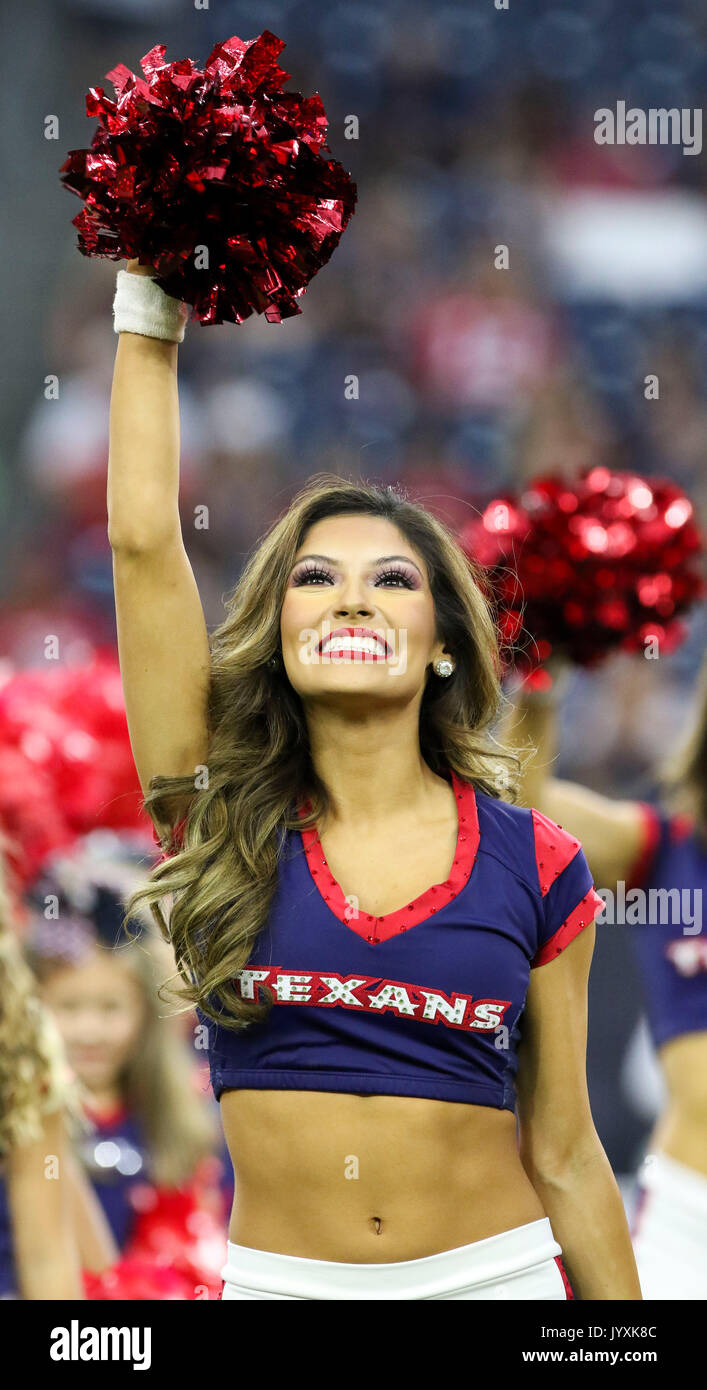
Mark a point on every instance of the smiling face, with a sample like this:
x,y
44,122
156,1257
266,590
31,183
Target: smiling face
x,y
358,617
99,1008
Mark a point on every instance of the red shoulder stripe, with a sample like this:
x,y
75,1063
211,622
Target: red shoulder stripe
x,y
554,849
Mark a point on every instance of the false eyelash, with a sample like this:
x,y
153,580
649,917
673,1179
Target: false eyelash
x,y
306,576
398,574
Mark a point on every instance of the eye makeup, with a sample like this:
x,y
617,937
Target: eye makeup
x,y
317,569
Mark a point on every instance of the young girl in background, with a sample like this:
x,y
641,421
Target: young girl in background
x,y
151,1123
51,1225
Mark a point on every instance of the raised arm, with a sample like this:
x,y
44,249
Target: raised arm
x,y
162,639
611,832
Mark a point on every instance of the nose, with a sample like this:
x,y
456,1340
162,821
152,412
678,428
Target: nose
x,y
353,600
360,610
86,1028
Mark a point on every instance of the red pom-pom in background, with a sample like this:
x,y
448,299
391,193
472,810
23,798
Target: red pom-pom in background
x,y
66,765
585,567
176,1249
216,178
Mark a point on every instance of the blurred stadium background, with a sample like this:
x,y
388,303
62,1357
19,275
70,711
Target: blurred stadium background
x,y
476,129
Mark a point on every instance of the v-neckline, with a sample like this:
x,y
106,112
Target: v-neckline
x,y
426,904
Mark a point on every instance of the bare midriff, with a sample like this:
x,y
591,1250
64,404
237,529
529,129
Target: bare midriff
x,y
371,1179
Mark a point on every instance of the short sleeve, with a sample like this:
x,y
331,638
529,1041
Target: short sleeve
x,y
569,898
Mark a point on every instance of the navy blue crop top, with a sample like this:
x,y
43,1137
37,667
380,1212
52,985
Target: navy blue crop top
x,y
425,1001
665,918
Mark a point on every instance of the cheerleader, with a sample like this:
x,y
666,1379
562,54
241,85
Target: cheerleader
x,y
663,852
51,1226
389,961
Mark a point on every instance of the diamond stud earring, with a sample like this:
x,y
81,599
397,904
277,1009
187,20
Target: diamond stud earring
x,y
443,666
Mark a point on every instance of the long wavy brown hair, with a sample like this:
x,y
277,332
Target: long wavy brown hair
x,y
222,873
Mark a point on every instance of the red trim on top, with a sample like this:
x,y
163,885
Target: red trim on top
x,y
375,929
565,1280
579,918
650,834
554,849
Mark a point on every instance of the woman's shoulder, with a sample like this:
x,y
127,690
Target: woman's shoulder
x,y
506,833
523,838
505,817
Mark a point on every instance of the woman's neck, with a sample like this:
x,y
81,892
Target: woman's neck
x,y
373,768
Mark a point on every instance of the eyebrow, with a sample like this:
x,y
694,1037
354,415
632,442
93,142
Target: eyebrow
x,y
382,559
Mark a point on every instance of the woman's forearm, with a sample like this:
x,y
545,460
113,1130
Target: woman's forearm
x,y
611,832
589,1222
530,729
143,458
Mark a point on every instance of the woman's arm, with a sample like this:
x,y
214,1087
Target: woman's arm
x,y
612,833
44,1236
559,1146
162,638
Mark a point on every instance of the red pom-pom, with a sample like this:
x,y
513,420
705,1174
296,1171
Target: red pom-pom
x,y
216,178
181,1228
582,568
66,765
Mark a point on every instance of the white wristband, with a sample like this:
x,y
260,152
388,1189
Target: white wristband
x,y
141,306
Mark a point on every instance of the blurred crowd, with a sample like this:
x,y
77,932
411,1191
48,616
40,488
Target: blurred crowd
x,y
475,132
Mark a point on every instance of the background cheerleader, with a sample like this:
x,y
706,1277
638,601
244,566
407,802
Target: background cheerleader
x,y
638,846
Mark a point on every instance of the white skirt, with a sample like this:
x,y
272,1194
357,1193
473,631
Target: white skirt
x,y
670,1230
522,1263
